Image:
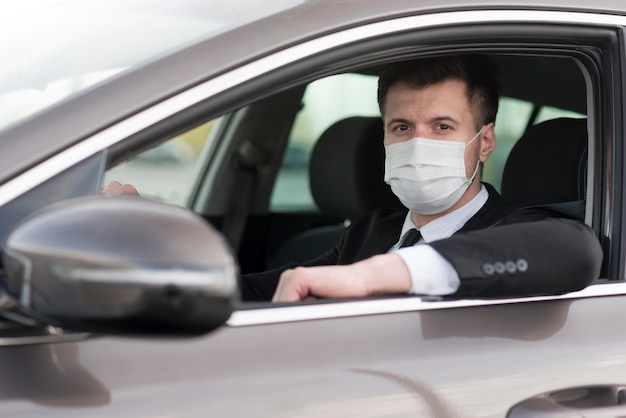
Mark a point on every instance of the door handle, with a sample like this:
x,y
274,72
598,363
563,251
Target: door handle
x,y
577,402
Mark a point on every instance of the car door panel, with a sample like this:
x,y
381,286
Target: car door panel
x,y
474,361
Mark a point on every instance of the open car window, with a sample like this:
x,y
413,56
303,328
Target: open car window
x,y
201,167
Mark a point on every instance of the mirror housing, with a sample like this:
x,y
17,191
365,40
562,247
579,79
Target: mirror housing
x,y
121,265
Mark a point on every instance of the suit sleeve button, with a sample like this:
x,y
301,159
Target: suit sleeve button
x,y
510,266
522,265
499,267
488,269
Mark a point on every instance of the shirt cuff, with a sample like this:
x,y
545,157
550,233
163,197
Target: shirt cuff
x,y
431,274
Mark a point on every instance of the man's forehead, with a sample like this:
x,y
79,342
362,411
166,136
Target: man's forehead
x,y
451,84
450,96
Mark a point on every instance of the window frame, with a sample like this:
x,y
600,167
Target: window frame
x,y
599,85
249,82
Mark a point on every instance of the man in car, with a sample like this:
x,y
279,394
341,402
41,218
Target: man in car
x,y
457,237
439,119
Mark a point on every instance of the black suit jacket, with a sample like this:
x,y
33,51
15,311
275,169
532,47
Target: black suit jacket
x,y
503,250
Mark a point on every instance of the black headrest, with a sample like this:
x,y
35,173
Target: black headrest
x,y
347,168
549,160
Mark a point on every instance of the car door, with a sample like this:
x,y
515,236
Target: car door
x,y
387,356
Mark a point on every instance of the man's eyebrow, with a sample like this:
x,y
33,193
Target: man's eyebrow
x,y
397,120
434,119
444,118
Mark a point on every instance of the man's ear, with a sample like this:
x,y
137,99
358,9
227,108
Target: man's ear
x,y
487,141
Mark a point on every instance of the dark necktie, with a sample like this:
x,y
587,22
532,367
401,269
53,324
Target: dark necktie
x,y
410,238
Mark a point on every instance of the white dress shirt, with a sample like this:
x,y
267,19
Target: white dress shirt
x,y
431,274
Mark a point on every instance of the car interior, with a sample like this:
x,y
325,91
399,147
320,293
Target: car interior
x,y
282,176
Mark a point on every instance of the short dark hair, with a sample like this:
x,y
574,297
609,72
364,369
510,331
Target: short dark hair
x,y
477,71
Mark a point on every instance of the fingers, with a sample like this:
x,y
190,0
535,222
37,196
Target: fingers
x,y
116,188
292,286
304,283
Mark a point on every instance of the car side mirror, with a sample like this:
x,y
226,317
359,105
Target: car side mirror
x,y
121,265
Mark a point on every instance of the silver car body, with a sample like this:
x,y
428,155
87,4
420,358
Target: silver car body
x,y
385,357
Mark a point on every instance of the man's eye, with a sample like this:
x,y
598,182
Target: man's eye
x,y
443,127
401,128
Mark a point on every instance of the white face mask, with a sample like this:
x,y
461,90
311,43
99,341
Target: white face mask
x,y
428,175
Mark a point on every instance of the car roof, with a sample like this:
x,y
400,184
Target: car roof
x,y
102,106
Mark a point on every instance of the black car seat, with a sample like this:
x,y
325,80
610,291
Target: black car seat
x,y
346,176
548,161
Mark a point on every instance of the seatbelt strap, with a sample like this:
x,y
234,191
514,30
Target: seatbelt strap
x,y
249,158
